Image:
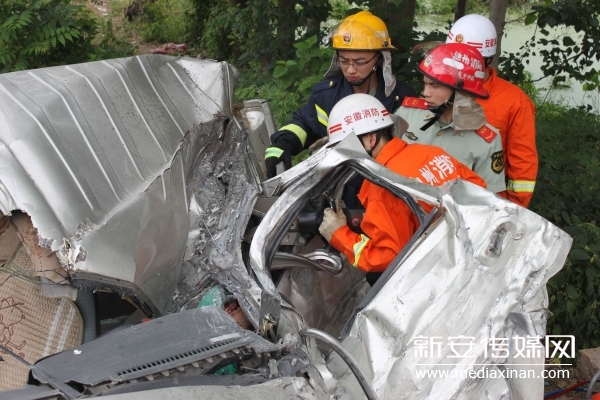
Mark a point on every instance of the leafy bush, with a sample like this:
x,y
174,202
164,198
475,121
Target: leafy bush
x,y
447,7
255,83
43,33
163,21
312,62
290,85
239,34
568,142
108,45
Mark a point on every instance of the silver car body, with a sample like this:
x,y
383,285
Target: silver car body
x,y
136,173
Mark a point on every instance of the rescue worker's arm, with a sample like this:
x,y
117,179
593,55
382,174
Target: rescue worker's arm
x,y
467,174
490,167
308,124
386,231
521,154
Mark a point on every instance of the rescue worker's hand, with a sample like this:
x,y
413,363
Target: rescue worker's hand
x,y
332,221
280,151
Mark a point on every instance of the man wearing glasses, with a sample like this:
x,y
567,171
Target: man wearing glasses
x,y
361,64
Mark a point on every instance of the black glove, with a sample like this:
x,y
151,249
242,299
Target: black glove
x,y
280,151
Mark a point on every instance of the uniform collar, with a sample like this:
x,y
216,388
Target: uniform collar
x,y
488,84
379,89
439,126
391,149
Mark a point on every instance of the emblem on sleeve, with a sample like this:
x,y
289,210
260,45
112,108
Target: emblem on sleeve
x,y
411,135
497,162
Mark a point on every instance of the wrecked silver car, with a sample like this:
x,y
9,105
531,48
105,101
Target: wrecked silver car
x,y
145,256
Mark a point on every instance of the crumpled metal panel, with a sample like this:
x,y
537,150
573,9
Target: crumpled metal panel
x,y
282,388
95,154
142,350
224,190
480,270
479,265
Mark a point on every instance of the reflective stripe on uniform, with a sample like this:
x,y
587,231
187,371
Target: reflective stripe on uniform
x,y
322,115
359,247
273,152
301,133
520,186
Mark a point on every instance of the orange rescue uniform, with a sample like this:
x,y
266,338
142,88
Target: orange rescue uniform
x,y
510,111
388,223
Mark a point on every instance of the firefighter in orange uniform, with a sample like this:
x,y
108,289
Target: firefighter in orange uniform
x,y
388,223
508,109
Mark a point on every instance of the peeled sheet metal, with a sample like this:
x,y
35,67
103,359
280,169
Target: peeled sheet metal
x,y
99,156
478,267
156,347
282,388
478,271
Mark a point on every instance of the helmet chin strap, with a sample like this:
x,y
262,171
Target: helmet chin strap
x,y
438,111
360,82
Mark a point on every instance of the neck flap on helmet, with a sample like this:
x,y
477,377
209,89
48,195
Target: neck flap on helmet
x,y
438,111
467,114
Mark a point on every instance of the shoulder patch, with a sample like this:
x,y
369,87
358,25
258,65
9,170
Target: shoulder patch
x,y
325,84
414,102
488,134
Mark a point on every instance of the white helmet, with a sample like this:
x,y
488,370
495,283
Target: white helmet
x,y
359,114
477,31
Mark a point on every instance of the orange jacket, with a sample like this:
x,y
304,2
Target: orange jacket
x,y
510,110
388,223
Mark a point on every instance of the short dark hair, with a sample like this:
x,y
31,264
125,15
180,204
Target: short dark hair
x,y
386,133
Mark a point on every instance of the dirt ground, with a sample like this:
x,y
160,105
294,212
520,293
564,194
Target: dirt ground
x,y
554,384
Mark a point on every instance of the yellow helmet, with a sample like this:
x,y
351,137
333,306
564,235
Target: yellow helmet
x,y
362,31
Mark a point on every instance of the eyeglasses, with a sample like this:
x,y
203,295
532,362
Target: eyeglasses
x,y
345,63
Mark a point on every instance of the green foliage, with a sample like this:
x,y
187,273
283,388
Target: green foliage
x,y
339,9
569,56
290,85
163,22
574,290
312,62
256,84
568,179
442,7
404,63
240,32
43,33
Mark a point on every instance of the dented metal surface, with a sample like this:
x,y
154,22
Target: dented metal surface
x,y
138,178
484,260
221,204
99,155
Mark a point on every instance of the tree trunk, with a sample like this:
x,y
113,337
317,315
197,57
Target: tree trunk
x,y
286,28
461,9
399,20
498,16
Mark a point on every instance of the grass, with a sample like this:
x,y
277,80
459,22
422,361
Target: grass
x,y
164,22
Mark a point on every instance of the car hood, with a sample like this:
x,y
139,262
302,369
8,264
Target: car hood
x,y
103,156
